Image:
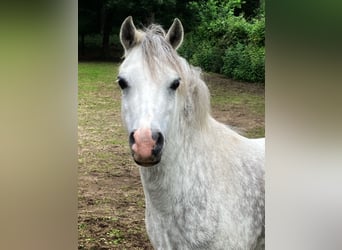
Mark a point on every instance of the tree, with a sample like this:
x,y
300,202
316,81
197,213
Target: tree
x,y
225,43
104,17
88,20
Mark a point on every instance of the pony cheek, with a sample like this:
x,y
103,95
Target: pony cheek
x,y
128,119
166,120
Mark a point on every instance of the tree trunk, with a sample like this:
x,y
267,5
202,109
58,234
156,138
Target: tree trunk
x,y
151,18
82,44
107,28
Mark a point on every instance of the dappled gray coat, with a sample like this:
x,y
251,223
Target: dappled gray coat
x,y
203,182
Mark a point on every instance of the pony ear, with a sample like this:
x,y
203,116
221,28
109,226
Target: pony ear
x,y
175,34
128,33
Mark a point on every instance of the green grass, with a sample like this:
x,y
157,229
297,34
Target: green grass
x,y
222,96
117,236
253,102
99,113
92,76
256,132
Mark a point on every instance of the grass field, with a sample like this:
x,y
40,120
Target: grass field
x,y
110,196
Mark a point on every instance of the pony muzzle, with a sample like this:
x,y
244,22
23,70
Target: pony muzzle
x,y
146,146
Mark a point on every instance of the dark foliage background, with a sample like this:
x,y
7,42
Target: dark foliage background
x,y
226,37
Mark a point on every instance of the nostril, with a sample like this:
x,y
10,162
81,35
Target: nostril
x,y
159,139
131,138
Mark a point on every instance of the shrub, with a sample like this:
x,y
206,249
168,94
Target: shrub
x,y
225,43
245,62
188,47
257,32
208,57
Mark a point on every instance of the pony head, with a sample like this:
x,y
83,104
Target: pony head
x,y
151,81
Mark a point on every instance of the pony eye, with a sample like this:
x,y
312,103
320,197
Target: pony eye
x,y
122,83
175,84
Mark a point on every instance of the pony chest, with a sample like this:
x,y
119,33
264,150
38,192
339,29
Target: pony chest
x,y
191,219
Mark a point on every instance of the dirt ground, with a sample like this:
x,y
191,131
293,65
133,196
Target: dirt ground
x,y
111,199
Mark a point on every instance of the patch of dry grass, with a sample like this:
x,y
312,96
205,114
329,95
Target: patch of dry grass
x,y
110,195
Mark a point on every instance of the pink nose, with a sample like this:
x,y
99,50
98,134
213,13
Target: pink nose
x,y
143,143
146,146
